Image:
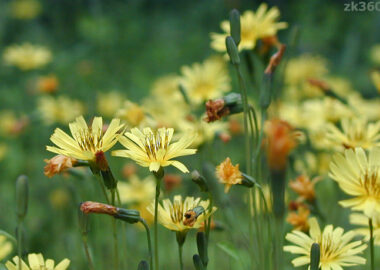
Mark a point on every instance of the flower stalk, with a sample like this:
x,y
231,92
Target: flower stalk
x,y
159,176
371,244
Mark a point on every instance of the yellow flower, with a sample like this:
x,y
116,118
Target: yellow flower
x,y
6,247
355,133
254,26
136,190
37,262
337,249
133,114
362,221
368,108
108,104
25,9
359,176
154,149
375,75
60,110
27,56
167,87
205,81
228,174
179,215
86,141
375,54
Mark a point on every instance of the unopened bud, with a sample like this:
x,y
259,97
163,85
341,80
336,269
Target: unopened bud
x,y
315,256
248,181
98,208
128,215
198,262
199,180
192,215
202,247
22,195
232,50
235,26
102,164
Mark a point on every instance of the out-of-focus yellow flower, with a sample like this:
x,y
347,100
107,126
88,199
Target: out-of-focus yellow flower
x,y
355,133
359,176
136,190
133,114
3,151
368,108
86,141
375,75
313,163
6,247
27,56
228,174
154,149
47,84
108,104
299,219
10,124
254,26
167,87
375,54
60,109
37,262
362,221
336,247
179,216
58,164
60,198
205,81
25,9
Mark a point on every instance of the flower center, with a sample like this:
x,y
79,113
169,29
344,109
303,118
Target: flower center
x,y
88,140
155,142
370,182
329,248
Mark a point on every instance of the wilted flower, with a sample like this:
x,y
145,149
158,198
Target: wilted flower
x,y
178,216
355,133
362,221
260,25
107,104
86,141
154,149
59,109
37,262
27,56
304,187
6,247
47,84
58,164
215,110
25,9
358,176
336,247
228,174
299,219
205,81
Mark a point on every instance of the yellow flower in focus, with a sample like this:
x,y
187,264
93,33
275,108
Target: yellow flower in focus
x,y
86,141
355,133
178,215
133,114
136,190
60,109
37,262
375,54
25,9
336,247
375,75
154,149
6,247
228,174
254,26
362,221
27,56
107,104
359,176
205,81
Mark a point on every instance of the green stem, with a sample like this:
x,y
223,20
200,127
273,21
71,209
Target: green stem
x,y
158,187
86,250
149,241
180,247
97,176
371,244
19,242
114,228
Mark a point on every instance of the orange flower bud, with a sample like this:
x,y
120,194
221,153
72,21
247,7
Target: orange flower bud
x,y
299,219
304,187
275,60
98,208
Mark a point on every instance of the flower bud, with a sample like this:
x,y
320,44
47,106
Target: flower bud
x,y
128,215
315,256
102,163
199,180
22,194
58,164
202,247
98,208
232,50
198,262
235,26
248,181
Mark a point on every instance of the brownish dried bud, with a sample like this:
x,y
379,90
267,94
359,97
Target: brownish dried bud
x,y
98,208
275,59
215,110
172,181
58,164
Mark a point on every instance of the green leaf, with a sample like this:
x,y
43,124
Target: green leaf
x,y
229,249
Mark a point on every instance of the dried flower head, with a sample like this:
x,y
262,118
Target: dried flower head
x,y
299,219
58,164
228,174
304,187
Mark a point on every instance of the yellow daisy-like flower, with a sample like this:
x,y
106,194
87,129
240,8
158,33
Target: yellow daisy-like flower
x,y
228,174
59,110
362,221
86,141
6,247
154,149
359,176
337,249
254,26
27,56
133,114
205,81
136,190
107,104
375,75
179,215
25,9
37,262
354,133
